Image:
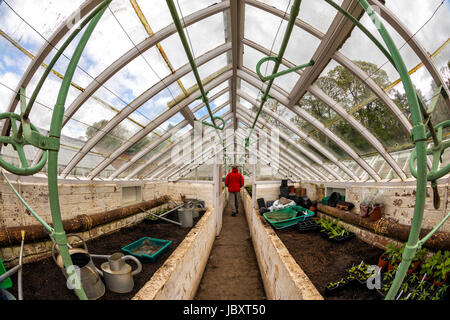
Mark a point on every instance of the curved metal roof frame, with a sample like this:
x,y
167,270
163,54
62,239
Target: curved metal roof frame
x,y
146,150
335,36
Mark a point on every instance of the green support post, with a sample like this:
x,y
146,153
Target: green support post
x,y
55,132
179,27
27,134
295,10
419,138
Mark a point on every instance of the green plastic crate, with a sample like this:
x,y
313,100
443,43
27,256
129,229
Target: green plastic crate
x,y
325,200
7,283
287,217
134,247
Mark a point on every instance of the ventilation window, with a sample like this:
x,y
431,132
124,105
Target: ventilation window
x,y
131,194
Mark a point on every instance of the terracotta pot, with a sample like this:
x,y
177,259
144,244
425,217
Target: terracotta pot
x,y
382,263
393,266
439,284
426,278
414,266
376,212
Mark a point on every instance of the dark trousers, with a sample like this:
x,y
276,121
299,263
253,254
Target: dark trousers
x,y
234,201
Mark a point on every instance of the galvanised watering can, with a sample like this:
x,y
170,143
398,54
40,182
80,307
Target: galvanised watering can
x,y
89,274
118,275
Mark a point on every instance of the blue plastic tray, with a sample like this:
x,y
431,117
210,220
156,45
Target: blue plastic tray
x,y
139,250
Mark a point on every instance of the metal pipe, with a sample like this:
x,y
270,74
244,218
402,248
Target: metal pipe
x,y
179,27
165,219
38,218
12,235
10,272
295,9
19,275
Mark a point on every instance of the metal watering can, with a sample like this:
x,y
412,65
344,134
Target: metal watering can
x,y
89,274
118,275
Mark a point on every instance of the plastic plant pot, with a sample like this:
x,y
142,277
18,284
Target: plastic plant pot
x,y
383,262
414,266
261,203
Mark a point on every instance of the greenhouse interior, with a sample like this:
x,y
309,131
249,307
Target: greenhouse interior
x,y
224,150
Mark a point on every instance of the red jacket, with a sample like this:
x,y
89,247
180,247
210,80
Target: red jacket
x,y
234,181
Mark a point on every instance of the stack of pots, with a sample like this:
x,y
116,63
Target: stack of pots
x,y
284,189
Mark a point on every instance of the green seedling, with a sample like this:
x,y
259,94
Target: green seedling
x,y
442,267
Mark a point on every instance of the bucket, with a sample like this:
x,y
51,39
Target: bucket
x,y
185,217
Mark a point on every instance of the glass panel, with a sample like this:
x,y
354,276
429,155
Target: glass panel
x,y
427,26
42,17
13,64
138,75
158,15
261,27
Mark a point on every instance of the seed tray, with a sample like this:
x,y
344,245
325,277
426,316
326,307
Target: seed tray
x,y
288,216
147,249
307,225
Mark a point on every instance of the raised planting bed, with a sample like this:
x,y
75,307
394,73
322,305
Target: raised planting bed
x,y
43,280
326,262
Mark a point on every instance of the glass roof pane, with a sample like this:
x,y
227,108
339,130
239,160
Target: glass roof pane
x,y
432,21
44,18
205,71
129,20
158,14
27,27
261,27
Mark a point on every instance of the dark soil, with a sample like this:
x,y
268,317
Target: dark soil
x,y
43,280
324,261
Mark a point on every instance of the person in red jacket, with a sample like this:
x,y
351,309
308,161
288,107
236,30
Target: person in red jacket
x,y
234,181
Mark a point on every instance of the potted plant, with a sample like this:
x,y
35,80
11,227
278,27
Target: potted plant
x,y
152,219
417,260
441,292
442,268
383,259
426,269
395,258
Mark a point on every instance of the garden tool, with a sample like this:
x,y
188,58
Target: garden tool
x,y
89,274
118,275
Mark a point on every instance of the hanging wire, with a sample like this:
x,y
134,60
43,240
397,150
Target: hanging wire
x,y
187,31
407,41
410,38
